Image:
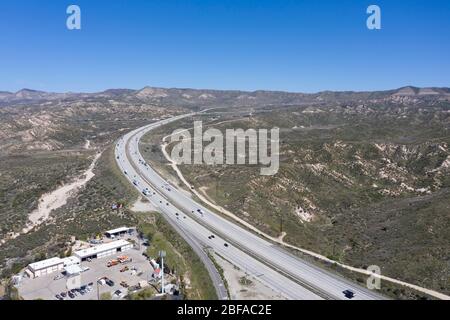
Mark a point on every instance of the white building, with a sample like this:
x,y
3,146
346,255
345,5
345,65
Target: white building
x,y
70,261
117,232
45,267
104,250
73,270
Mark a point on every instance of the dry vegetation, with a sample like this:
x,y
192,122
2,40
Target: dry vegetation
x,y
361,184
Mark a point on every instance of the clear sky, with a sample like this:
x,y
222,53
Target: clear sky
x,y
293,45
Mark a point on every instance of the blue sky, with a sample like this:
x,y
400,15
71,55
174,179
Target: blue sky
x,y
293,45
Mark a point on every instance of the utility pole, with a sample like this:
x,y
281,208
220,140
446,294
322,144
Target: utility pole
x,y
162,254
98,290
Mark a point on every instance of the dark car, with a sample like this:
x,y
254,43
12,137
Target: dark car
x,y
58,297
63,294
226,245
110,283
349,294
71,295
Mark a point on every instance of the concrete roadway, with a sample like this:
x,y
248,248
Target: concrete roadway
x,y
277,268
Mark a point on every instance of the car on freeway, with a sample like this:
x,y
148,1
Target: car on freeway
x,y
349,294
226,245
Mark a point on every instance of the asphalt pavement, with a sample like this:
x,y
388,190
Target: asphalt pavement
x,y
272,265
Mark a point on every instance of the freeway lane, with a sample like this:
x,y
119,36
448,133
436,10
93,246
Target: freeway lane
x,y
185,225
282,271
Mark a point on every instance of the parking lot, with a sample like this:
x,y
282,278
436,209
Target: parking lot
x,y
139,269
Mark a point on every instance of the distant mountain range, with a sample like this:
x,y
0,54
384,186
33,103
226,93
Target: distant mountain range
x,y
227,97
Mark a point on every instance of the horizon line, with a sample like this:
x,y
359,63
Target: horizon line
x,y
223,90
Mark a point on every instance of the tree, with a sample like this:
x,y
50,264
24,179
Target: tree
x,y
106,296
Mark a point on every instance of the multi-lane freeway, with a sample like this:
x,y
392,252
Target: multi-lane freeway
x,y
287,274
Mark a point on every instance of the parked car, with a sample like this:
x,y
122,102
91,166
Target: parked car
x,y
118,293
58,277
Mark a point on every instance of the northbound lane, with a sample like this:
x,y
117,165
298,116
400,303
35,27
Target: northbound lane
x,y
291,276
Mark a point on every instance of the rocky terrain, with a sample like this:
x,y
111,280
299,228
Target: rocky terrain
x,y
49,141
364,176
362,182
